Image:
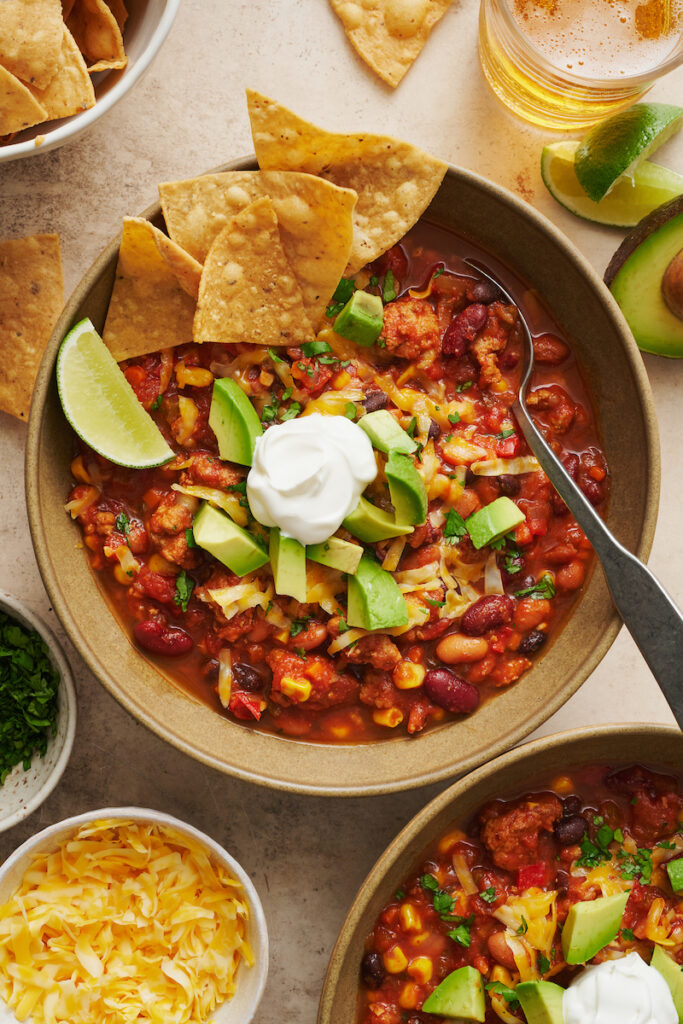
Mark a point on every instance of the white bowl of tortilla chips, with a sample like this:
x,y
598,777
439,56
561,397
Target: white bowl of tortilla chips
x,y
64,63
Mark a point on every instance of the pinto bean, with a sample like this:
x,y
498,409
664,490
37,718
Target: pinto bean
x,y
156,636
312,636
500,951
570,577
487,613
530,613
456,648
550,349
451,692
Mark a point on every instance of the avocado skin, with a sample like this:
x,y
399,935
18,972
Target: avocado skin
x,y
672,974
288,562
460,994
374,598
591,925
541,1001
640,232
229,543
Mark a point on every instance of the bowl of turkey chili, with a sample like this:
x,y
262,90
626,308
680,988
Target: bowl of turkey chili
x,y
540,637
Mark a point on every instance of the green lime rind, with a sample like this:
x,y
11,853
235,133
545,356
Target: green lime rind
x,y
615,147
102,407
630,200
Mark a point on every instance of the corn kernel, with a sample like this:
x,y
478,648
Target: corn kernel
x,y
79,471
562,784
408,676
266,378
339,732
395,960
121,576
421,969
409,918
450,839
499,385
417,940
192,376
409,997
159,564
296,689
316,670
341,380
455,490
438,715
282,636
439,486
391,717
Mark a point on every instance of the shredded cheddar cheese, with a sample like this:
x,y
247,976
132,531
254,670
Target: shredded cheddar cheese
x,y
124,922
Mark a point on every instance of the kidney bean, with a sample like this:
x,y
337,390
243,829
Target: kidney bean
x,y
532,642
487,613
246,677
372,970
456,648
156,636
509,484
550,350
571,830
450,691
500,951
484,291
463,329
377,400
592,489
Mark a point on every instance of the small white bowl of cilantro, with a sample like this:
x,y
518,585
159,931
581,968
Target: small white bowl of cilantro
x,y
37,711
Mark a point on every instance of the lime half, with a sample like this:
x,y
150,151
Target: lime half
x,y
615,147
100,404
629,201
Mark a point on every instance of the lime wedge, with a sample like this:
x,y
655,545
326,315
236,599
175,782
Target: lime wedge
x,y
631,199
100,404
618,145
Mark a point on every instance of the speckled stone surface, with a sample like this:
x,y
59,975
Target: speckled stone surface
x,y
306,855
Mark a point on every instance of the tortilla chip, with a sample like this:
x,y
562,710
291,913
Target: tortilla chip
x,y
31,299
314,217
389,34
70,91
120,12
248,290
395,181
96,32
18,108
30,39
155,293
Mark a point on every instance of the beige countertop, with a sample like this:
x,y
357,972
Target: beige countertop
x,y
307,856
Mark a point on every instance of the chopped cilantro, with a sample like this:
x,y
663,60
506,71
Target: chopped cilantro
x,y
269,412
454,417
241,487
189,538
374,281
287,394
298,626
342,294
505,433
465,386
627,934
523,928
511,563
122,523
301,652
454,527
389,287
636,865
410,429
543,963
429,883
592,854
489,895
343,627
315,348
439,272
184,585
545,587
497,545
399,894
461,933
28,695
156,404
666,845
435,604
350,411
274,356
290,413
381,343
508,994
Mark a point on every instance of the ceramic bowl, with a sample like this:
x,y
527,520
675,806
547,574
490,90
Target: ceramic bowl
x,y
585,310
24,791
657,747
148,24
251,981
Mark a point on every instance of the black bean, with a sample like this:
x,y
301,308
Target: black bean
x,y
377,400
509,484
372,970
434,430
246,677
484,291
532,642
571,830
571,805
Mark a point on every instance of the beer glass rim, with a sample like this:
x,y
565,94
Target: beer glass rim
x,y
645,77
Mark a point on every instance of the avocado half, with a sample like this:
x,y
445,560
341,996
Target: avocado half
x,y
636,274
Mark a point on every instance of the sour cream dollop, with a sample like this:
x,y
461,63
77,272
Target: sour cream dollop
x,y
624,991
308,474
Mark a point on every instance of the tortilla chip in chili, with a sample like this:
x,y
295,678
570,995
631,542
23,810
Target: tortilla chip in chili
x,y
31,299
395,181
18,107
70,91
387,35
314,218
97,34
155,293
248,290
30,39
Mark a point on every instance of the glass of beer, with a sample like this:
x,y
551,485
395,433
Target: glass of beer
x,y
565,64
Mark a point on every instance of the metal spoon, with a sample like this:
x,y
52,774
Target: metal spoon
x,y
651,617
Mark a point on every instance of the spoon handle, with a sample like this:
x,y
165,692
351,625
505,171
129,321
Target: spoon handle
x,y
650,615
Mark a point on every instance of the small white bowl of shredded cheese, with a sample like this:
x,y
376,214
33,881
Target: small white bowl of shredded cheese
x,y
126,914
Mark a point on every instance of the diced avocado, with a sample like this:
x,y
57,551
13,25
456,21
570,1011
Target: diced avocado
x,y
374,598
288,562
460,994
234,421
493,521
674,870
228,542
361,319
541,1001
385,433
337,553
590,925
672,974
407,489
370,524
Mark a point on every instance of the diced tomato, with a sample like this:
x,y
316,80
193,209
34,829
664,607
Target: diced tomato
x,y
508,447
533,874
246,705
